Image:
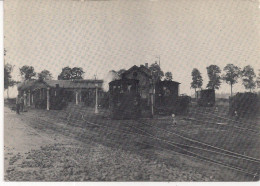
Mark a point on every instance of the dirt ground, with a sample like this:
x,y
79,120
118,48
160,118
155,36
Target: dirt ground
x,y
37,148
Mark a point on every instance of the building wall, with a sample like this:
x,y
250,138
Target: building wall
x,y
144,86
144,83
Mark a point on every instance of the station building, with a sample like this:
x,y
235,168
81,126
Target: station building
x,y
53,94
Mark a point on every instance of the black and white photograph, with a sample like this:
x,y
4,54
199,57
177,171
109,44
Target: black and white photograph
x,y
131,91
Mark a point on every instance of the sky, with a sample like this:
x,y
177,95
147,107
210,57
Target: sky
x,y
100,36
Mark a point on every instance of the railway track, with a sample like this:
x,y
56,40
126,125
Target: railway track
x,y
255,131
182,147
159,142
241,121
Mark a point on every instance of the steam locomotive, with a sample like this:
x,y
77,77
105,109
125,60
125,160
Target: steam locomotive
x,y
124,99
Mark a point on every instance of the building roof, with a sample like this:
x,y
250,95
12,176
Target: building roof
x,y
141,69
74,83
120,81
80,84
148,73
168,82
25,84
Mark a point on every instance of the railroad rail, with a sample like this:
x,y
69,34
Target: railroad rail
x,y
177,145
228,119
234,126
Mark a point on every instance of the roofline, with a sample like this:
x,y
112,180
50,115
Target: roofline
x,y
171,81
46,83
138,68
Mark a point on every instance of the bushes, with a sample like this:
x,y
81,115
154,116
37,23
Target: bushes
x,y
246,104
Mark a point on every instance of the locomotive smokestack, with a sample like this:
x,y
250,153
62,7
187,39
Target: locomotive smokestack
x,y
146,65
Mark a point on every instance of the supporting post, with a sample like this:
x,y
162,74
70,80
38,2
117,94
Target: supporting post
x,y
152,104
29,100
40,90
24,100
80,96
154,95
96,106
48,98
77,101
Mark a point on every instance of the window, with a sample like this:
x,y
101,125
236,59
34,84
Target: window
x,y
129,88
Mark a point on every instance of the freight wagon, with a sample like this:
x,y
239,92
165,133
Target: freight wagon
x,y
206,97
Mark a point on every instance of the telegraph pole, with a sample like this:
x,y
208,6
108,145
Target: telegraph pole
x,y
152,91
159,60
96,85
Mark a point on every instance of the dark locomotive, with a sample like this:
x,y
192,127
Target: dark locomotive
x,y
124,99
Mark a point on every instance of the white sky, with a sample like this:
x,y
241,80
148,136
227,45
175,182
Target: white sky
x,y
103,35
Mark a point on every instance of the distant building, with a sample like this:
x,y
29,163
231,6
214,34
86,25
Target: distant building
x,y
50,94
143,74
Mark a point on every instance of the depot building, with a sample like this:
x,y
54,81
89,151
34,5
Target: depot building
x,y
55,94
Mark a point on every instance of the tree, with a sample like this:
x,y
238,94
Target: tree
x,y
214,77
197,80
248,77
45,75
27,72
77,73
232,73
8,82
258,79
65,74
68,73
7,75
157,73
168,76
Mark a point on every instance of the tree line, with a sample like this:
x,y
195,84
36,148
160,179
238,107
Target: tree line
x,y
231,75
